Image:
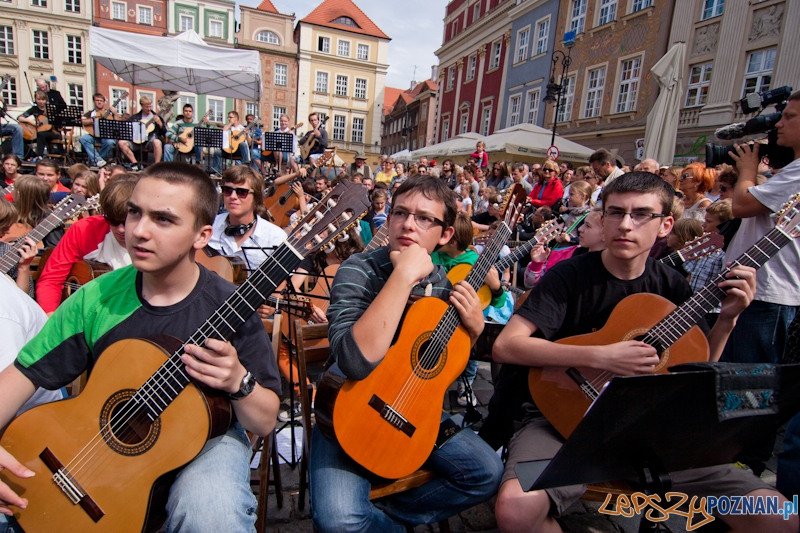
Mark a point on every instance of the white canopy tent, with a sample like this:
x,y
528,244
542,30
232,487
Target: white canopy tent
x,y
183,63
463,141
402,156
533,141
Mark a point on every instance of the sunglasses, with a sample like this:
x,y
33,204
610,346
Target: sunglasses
x,y
113,222
241,192
686,177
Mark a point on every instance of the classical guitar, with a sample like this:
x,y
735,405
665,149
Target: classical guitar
x,y
104,114
280,200
64,210
230,269
81,273
309,141
564,395
265,153
378,239
187,146
238,137
704,245
398,406
101,459
149,126
30,131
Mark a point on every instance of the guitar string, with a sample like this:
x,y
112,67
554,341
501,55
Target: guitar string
x,y
130,412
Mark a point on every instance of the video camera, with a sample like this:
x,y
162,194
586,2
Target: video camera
x,y
779,156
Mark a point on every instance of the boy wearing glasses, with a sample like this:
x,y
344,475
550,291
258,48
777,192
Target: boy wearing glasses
x,y
577,296
368,300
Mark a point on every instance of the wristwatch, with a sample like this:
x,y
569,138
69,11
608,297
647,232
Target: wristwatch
x,y
247,386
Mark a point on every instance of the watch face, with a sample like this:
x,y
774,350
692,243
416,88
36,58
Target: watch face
x,y
248,383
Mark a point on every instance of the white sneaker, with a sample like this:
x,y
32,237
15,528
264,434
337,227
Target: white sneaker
x,y
296,413
462,399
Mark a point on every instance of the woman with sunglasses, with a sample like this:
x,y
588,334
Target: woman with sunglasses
x,y
695,181
549,190
500,178
99,238
242,230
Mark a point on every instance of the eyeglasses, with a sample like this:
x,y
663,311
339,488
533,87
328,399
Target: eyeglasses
x,y
113,222
241,192
548,170
423,222
638,218
685,177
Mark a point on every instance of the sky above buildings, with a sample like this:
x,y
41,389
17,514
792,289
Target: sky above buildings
x,y
415,27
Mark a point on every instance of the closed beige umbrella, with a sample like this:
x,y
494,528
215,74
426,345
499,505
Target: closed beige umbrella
x,y
662,121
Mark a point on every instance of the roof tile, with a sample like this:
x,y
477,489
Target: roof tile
x,y
329,10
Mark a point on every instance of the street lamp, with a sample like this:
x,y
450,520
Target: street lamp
x,y
556,90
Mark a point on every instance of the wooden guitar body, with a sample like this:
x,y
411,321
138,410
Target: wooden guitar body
x,y
188,146
236,138
394,450
82,273
228,268
280,201
559,397
460,272
124,472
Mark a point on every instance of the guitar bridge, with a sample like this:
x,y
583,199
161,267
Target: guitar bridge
x,y
394,418
586,387
71,488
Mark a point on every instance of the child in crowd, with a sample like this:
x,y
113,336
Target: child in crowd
x,y
684,231
480,156
466,199
21,272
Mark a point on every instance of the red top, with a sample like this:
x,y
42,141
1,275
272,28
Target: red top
x,y
483,158
82,238
60,188
553,191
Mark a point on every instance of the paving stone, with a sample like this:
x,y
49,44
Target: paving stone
x,y
479,518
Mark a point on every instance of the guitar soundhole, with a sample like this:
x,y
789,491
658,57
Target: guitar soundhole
x,y
663,353
126,429
427,365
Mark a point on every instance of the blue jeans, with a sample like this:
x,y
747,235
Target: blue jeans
x,y
106,145
469,473
17,142
212,493
170,152
760,334
243,151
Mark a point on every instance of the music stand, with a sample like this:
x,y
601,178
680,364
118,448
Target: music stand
x,y
648,426
61,116
208,138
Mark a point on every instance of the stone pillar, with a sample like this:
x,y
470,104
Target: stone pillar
x,y
787,67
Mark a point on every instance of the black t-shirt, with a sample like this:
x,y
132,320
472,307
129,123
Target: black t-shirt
x,y
578,295
484,218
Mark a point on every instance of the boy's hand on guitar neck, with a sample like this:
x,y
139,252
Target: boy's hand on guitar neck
x,y
217,365
740,288
7,496
469,307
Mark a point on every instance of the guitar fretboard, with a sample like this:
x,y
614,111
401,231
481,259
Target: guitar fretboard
x,y
378,238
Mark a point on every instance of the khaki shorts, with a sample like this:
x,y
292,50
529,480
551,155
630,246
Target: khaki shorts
x,y
539,440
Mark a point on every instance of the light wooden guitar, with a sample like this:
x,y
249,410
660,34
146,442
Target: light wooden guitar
x,y
104,114
230,269
309,141
238,137
564,395
188,146
280,200
704,245
104,460
398,406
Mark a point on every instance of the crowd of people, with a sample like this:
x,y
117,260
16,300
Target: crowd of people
x,y
425,219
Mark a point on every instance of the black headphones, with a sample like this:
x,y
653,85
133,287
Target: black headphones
x,y
239,229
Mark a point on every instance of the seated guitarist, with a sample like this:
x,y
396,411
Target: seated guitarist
x,y
321,136
87,141
154,143
33,116
233,126
164,292
177,133
577,296
368,299
100,238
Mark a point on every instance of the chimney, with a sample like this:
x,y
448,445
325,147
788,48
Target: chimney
x,y
413,84
434,72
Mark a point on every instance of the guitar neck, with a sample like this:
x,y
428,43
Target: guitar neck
x,y
674,259
378,238
10,259
685,316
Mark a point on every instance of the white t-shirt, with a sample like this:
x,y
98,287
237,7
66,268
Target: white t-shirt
x,y
265,235
465,203
778,281
21,318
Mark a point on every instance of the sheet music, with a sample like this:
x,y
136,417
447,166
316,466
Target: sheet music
x,y
139,132
226,140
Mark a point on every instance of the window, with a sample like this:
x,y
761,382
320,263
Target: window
x,y
533,107
629,84
122,105
522,45
339,122
358,130
6,40
268,37
362,52
513,110
608,12
712,8
276,116
341,85
345,21
451,77
118,11
251,108
217,107
567,99
322,82
72,6
324,45
424,110
594,92
145,15
281,74
486,120
39,3
476,12
445,129
638,5
343,48
464,122
74,49
361,89
495,61
9,94
758,74
186,22
215,28
542,32
41,44
472,61
578,16
699,81
75,95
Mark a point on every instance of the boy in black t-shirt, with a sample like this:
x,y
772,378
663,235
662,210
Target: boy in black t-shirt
x,y
576,297
169,218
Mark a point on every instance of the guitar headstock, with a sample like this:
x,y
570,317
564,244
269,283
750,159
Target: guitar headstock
x,y
548,231
69,206
702,246
298,305
92,203
336,212
325,158
788,218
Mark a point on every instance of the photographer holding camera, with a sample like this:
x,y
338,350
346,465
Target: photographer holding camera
x,y
761,330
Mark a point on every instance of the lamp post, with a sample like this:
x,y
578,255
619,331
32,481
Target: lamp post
x,y
556,90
